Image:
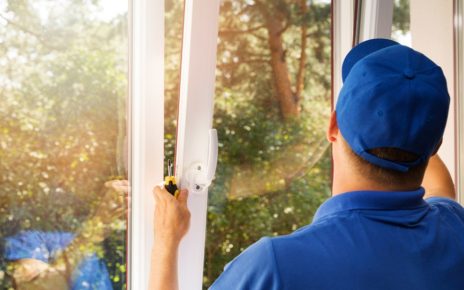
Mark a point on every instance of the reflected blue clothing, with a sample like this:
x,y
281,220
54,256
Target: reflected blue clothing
x,y
361,240
91,273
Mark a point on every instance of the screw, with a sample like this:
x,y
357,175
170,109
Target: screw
x,y
199,167
197,187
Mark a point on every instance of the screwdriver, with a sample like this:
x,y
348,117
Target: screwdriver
x,y
170,181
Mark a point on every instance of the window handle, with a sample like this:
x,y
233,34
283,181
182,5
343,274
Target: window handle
x,y
212,155
199,176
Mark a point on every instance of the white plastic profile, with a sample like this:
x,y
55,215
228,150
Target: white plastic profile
x,y
432,34
146,111
376,19
459,70
196,141
343,27
353,22
199,176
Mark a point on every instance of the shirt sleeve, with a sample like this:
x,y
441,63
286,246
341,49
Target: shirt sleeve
x,y
254,269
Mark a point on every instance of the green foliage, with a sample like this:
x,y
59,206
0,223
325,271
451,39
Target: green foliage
x,y
63,89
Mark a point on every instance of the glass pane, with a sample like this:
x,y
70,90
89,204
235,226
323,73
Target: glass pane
x,y
63,146
272,106
401,31
174,13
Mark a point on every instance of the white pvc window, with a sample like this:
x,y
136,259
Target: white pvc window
x,y
345,31
432,33
147,121
196,151
195,144
459,103
376,19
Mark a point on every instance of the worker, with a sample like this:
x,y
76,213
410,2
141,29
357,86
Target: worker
x,y
392,222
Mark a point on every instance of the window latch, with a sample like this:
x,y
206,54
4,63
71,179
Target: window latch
x,y
199,176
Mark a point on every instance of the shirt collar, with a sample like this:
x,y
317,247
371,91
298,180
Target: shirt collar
x,y
371,200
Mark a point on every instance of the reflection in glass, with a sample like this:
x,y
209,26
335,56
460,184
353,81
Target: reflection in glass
x,y
63,144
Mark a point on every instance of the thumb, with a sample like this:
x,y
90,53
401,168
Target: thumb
x,y
183,196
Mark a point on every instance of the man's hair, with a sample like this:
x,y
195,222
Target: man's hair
x,y
388,177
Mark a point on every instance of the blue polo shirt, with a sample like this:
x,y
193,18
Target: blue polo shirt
x,y
361,240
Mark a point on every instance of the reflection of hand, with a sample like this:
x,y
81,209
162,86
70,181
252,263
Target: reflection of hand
x,y
32,274
114,203
26,270
172,217
112,206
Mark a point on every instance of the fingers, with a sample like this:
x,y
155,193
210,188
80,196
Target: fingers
x,y
161,194
183,196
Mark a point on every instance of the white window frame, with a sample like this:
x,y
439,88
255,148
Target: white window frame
x,y
196,103
459,94
355,21
376,19
343,38
146,110
436,41
194,129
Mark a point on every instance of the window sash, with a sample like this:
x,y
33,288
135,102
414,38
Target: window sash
x,y
147,135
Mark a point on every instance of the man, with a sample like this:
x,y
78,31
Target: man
x,y
381,229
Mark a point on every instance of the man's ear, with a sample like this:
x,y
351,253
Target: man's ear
x,y
437,147
332,131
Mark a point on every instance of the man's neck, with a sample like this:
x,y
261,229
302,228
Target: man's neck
x,y
343,183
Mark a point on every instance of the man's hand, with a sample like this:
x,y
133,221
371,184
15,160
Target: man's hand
x,y
172,217
172,220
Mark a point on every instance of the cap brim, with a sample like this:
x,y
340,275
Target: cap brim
x,y
362,50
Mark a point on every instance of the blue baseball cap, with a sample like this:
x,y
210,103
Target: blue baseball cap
x,y
392,97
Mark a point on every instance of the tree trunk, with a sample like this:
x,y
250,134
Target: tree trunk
x,y
288,101
302,64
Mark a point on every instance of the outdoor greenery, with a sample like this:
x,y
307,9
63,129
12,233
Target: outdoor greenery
x,y
62,119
